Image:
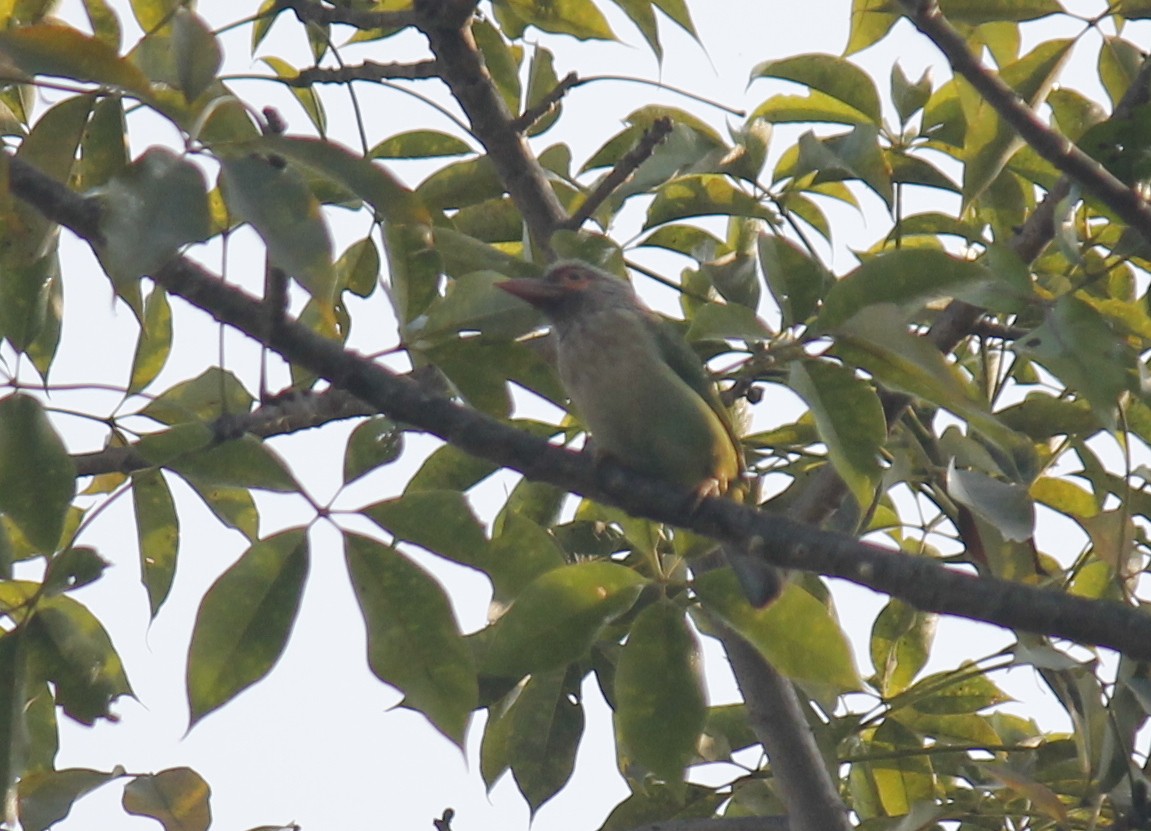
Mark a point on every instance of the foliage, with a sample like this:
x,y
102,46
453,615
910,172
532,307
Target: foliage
x,y
1010,417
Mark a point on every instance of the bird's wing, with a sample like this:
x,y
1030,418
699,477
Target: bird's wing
x,y
678,355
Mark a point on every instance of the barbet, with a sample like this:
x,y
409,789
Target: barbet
x,y
642,393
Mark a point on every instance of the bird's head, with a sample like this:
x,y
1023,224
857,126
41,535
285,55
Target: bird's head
x,y
570,288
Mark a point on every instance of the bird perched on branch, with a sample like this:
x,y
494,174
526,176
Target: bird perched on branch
x,y
642,392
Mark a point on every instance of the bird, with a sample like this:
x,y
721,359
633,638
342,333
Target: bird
x,y
642,393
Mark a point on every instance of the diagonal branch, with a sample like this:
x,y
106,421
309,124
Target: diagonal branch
x,y
447,27
827,490
923,582
652,137
1050,144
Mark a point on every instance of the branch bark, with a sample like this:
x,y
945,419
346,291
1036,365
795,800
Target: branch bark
x,y
446,26
922,582
1048,143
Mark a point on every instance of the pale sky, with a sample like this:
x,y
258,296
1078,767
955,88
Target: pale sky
x,y
315,743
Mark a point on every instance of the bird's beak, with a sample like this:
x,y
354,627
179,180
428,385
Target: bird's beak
x,y
533,291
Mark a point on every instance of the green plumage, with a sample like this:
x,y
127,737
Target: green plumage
x,y
640,390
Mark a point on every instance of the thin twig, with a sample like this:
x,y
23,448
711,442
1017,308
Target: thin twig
x,y
308,10
367,71
542,107
623,170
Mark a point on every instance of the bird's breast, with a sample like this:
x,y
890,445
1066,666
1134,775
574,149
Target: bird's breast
x,y
636,408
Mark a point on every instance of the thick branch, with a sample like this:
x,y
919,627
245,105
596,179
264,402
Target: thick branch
x,y
1050,144
923,582
777,719
446,25
827,490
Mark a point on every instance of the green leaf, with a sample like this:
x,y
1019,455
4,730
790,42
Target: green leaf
x,y
414,641
1119,62
903,777
25,292
420,144
850,420
956,692
178,798
797,633
246,462
449,468
877,342
157,534
720,321
908,97
159,191
460,184
37,477
441,521
14,733
907,278
815,106
358,268
71,649
976,12
377,186
542,82
558,616
871,20
1005,505
155,341
463,254
797,281
544,726
660,701
578,18
244,621
211,394
307,97
701,195
72,568
373,443
273,197
1075,343
853,155
196,53
54,49
990,141
642,15
520,552
836,76
232,506
46,797
1064,496
901,639
104,146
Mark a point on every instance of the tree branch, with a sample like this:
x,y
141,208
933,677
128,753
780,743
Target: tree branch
x,y
1050,144
827,490
367,71
309,10
778,721
445,23
921,581
624,168
542,107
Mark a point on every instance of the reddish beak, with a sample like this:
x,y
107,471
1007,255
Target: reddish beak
x,y
533,291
